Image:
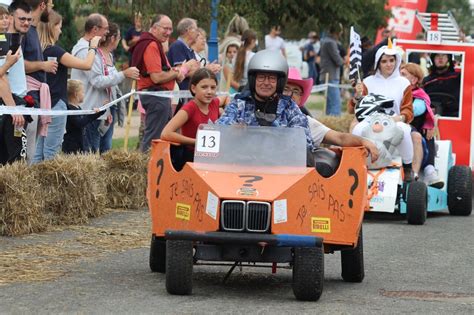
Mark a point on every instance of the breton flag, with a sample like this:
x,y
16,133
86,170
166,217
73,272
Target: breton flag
x,y
355,53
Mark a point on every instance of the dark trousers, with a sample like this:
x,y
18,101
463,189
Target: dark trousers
x,y
157,115
11,148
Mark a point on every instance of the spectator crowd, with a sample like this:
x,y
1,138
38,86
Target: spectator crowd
x,y
36,72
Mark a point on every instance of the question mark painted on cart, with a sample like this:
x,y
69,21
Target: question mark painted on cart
x,y
248,182
159,164
354,186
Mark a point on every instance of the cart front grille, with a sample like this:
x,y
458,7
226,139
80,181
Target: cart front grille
x,y
251,216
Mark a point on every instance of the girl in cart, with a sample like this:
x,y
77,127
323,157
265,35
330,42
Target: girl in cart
x,y
205,107
388,82
423,124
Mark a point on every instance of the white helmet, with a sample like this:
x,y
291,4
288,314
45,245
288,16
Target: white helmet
x,y
268,61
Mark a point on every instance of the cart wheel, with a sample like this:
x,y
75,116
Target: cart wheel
x,y
416,203
308,273
179,267
158,254
352,262
460,190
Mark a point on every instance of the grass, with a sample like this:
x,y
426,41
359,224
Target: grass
x,y
119,142
319,104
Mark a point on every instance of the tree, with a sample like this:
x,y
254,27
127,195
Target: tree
x,y
297,18
69,33
461,10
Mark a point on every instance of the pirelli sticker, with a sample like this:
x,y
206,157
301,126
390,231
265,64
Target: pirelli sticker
x,y
320,225
183,211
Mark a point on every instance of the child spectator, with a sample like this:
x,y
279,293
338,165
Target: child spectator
x,y
227,72
73,138
4,20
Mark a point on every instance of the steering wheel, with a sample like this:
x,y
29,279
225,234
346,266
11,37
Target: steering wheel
x,y
444,104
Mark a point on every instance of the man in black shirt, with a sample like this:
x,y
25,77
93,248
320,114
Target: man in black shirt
x,y
443,85
35,65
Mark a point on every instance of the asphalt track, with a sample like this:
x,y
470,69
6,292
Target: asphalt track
x,y
409,269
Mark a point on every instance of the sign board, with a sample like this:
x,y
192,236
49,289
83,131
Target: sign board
x,y
433,37
460,128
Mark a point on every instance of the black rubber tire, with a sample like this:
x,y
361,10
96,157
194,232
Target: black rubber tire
x,y
179,267
460,190
352,262
417,198
158,254
308,273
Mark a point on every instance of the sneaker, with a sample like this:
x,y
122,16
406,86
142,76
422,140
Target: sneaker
x,y
430,177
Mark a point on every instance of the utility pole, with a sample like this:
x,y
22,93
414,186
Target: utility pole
x,y
212,43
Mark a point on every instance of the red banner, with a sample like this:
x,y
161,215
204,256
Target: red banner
x,y
403,22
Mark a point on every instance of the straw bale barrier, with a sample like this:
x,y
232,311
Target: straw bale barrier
x,y
126,179
72,187
20,202
338,123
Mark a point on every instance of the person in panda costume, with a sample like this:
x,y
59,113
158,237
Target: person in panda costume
x,y
388,82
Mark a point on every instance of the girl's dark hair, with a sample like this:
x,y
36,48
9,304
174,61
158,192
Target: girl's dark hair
x,y
200,75
113,31
247,38
231,45
378,62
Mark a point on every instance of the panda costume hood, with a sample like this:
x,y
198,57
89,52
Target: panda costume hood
x,y
393,86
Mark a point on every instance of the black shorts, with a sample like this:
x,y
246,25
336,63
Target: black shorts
x,y
12,148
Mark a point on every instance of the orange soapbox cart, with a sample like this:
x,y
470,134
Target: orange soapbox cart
x,y
248,198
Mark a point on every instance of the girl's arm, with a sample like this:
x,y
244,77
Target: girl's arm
x,y
170,133
406,106
352,102
228,74
70,61
223,100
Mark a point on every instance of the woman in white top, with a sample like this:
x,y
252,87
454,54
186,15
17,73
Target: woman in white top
x,y
245,53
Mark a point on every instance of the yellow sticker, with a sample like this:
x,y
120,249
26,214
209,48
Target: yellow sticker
x,y
320,225
183,211
3,38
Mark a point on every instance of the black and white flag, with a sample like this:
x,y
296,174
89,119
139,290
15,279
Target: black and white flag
x,y
355,53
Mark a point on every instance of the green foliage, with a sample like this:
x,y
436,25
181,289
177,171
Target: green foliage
x,y
69,33
297,18
461,10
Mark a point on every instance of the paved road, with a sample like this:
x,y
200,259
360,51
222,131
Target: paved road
x,y
409,269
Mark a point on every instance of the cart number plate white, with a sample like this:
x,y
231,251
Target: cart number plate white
x,y
208,141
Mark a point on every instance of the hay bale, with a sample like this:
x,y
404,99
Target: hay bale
x,y
126,179
20,202
72,187
338,123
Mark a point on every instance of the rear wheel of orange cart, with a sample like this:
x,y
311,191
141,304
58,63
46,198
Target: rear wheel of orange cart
x,y
352,262
158,254
308,273
179,267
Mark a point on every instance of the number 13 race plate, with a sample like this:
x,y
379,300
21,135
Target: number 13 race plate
x,y
208,141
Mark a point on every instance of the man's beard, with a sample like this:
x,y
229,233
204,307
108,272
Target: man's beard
x,y
18,30
44,16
